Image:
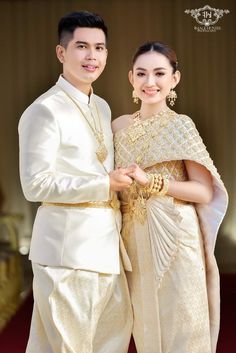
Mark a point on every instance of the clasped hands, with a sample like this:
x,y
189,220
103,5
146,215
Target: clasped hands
x,y
122,178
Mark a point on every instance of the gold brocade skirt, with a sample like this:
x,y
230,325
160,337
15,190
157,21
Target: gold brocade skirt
x,y
168,281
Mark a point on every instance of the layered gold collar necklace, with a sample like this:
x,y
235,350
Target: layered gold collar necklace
x,y
137,129
98,133
140,129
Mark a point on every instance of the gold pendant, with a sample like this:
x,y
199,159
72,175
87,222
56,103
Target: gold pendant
x,y
101,152
140,210
136,132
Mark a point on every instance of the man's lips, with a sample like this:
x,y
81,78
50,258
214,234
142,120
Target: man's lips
x,y
90,68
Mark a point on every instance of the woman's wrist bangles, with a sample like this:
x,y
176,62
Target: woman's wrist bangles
x,y
157,185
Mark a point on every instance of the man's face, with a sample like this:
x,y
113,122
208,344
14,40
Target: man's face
x,y
84,59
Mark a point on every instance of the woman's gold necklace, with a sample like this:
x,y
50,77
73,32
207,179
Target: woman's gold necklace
x,y
138,129
101,151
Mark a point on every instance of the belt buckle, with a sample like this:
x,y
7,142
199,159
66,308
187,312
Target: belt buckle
x,y
115,204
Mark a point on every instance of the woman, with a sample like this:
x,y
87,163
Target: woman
x,y
171,214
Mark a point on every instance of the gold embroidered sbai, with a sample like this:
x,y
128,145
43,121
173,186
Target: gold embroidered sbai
x,y
178,140
160,145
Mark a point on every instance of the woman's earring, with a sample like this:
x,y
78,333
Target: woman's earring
x,y
135,97
172,96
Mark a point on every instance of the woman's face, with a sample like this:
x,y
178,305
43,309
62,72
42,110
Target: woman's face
x,y
152,77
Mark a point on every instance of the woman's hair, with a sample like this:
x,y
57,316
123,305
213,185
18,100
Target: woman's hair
x,y
158,47
69,23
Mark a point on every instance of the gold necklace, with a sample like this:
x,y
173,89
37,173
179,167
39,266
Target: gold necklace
x,y
139,129
101,151
160,115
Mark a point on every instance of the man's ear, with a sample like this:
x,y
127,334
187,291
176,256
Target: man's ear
x,y
130,76
60,51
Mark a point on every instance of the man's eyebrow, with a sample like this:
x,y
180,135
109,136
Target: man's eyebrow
x,y
83,42
80,42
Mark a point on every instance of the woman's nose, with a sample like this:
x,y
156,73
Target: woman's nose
x,y
151,80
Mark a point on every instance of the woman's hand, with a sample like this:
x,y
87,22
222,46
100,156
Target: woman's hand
x,y
138,174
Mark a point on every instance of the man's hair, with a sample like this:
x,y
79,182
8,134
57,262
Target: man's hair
x,y
68,24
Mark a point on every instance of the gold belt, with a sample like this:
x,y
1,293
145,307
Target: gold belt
x,y
127,207
115,204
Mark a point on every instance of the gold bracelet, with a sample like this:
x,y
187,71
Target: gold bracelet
x,y
151,180
158,181
165,186
157,184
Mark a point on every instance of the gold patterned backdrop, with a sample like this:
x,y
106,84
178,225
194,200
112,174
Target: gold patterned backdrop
x,y
206,91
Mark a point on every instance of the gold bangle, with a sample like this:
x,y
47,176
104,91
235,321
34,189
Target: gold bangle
x,y
157,184
151,179
165,186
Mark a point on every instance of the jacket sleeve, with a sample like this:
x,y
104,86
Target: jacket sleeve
x,y
39,143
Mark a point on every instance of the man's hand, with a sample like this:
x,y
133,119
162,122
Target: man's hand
x,y
119,180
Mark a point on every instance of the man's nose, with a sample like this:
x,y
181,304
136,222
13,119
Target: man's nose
x,y
91,54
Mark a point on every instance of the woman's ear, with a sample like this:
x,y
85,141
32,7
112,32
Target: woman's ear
x,y
130,76
176,78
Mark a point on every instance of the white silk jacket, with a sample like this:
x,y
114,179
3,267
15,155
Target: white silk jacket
x,y
58,164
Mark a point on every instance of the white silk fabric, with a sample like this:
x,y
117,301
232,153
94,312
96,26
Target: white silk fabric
x,y
58,163
168,281
78,311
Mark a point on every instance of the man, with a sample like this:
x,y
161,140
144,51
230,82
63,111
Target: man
x,y
81,300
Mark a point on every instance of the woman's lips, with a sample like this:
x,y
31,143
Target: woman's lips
x,y
151,92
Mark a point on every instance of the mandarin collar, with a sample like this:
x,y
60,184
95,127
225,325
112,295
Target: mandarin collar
x,y
73,91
